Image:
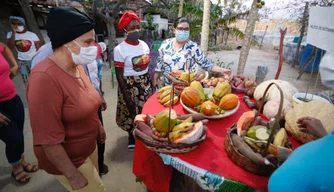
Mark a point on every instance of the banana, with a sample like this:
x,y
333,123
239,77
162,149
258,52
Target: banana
x,y
184,126
164,94
281,138
164,89
175,100
165,99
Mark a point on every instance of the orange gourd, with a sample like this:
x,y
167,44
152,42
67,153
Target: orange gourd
x,y
190,97
208,108
229,101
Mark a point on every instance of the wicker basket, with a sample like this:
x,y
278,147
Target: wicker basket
x,y
178,85
167,147
241,160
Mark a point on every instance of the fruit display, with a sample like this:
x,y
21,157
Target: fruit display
x,y
318,109
242,84
222,89
229,101
252,135
212,103
164,96
186,76
213,81
184,129
190,97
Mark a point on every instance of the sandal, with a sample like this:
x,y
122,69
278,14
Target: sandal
x,y
30,168
24,178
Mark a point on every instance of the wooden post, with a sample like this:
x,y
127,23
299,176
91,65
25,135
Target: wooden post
x,y
301,36
283,32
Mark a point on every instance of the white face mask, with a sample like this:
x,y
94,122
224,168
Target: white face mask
x,y
86,56
326,69
19,28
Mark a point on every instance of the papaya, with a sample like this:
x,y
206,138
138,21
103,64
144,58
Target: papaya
x,y
229,101
222,89
160,122
190,97
208,108
198,86
244,121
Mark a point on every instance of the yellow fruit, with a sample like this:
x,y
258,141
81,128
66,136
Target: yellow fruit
x,y
164,89
175,100
160,122
222,89
165,99
198,86
185,76
229,101
208,108
281,138
190,97
164,94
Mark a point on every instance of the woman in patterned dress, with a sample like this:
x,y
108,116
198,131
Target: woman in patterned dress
x,y
131,64
174,53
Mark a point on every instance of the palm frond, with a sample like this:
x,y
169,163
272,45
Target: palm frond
x,y
236,32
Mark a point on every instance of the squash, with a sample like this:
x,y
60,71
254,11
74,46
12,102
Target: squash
x,y
317,109
229,101
208,108
271,108
190,97
288,90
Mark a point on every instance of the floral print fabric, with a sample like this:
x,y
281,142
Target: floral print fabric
x,y
171,59
139,88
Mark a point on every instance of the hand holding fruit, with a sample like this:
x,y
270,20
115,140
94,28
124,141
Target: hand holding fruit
x,y
312,125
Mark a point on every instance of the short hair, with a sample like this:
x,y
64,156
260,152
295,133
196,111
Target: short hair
x,y
181,20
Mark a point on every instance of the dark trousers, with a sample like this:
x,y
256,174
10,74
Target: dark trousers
x,y
12,134
100,147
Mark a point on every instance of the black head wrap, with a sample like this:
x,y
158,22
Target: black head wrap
x,y
65,24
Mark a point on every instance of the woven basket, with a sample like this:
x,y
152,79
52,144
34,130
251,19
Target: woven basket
x,y
178,85
167,147
243,161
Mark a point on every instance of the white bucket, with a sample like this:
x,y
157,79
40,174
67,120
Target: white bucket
x,y
296,101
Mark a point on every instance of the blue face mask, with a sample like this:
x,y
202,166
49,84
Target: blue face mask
x,y
182,36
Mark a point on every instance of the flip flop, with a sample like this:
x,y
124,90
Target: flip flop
x,y
31,170
23,179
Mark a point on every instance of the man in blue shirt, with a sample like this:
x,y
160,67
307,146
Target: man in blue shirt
x,y
310,168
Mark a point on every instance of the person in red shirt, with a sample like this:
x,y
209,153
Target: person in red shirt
x,y
12,118
63,104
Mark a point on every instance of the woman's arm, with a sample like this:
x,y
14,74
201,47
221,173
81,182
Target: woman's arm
x,y
59,158
14,68
11,39
122,86
216,69
207,65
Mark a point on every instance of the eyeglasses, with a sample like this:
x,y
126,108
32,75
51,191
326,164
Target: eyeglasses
x,y
182,29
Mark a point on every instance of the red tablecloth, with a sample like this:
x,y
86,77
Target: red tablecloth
x,y
210,155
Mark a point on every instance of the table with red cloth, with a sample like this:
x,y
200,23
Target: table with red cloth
x,y
210,155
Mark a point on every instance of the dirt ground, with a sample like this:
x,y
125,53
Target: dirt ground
x,y
117,157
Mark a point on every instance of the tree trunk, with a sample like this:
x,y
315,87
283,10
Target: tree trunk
x,y
30,19
205,27
251,20
302,31
112,33
180,9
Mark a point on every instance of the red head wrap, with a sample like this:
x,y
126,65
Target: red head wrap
x,y
126,18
